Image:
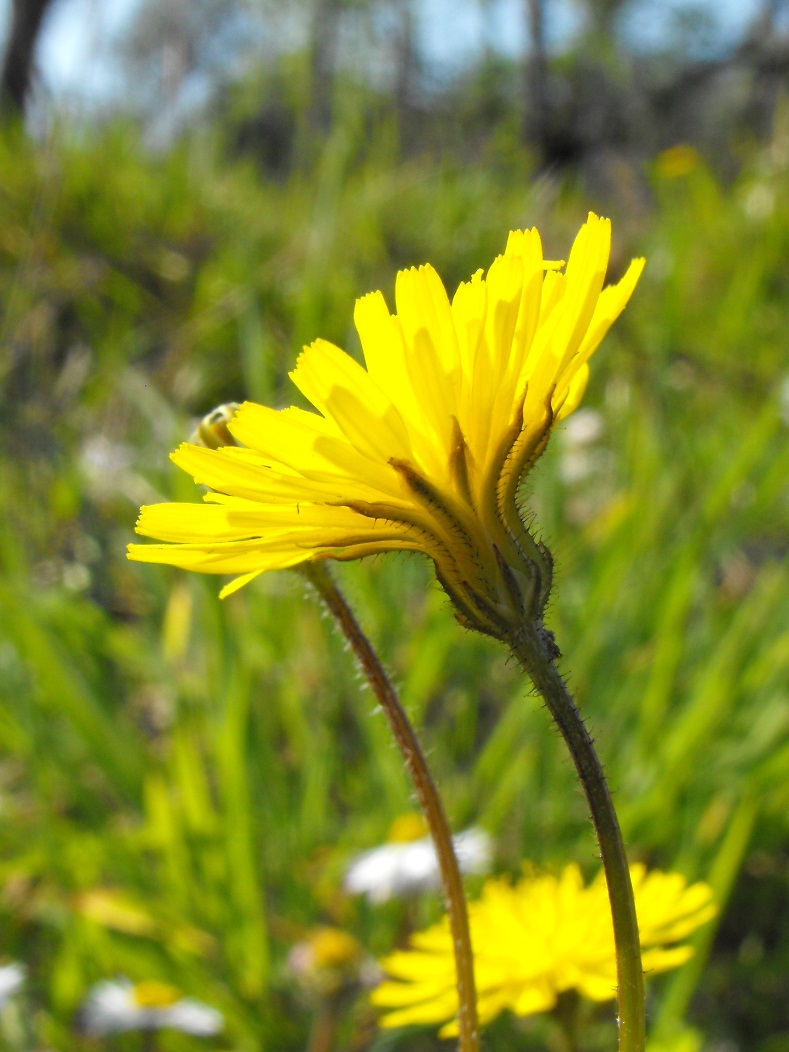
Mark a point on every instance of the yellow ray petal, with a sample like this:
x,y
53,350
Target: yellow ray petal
x,y
345,392
233,520
238,582
662,960
236,560
526,246
432,1011
424,312
573,394
585,275
610,305
385,354
482,385
398,994
231,470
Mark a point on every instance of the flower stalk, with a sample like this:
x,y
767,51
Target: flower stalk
x,y
534,648
427,794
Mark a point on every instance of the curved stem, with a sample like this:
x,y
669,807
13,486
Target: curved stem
x,y
426,792
533,646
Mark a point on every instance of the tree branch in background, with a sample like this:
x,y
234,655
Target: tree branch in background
x,y
26,22
535,121
405,63
323,63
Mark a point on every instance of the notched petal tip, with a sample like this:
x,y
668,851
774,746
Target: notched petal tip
x,y
404,276
593,219
180,448
305,355
242,412
145,553
368,299
145,512
636,269
424,277
517,238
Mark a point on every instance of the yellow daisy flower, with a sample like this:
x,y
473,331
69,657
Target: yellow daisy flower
x,y
329,960
536,939
117,1006
422,450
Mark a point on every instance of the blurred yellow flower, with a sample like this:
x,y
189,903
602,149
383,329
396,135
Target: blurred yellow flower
x,y
677,161
423,450
328,960
536,939
407,828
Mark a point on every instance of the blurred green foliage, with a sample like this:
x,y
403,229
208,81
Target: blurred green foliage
x,y
182,781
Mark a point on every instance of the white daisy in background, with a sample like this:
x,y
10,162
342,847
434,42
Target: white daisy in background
x,y
115,1006
406,864
108,470
11,978
579,436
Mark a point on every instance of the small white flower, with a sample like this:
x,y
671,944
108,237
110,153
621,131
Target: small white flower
x,y
759,203
115,1006
402,869
783,400
582,428
108,469
579,459
11,978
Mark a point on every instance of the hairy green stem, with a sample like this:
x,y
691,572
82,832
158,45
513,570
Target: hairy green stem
x,y
533,646
426,792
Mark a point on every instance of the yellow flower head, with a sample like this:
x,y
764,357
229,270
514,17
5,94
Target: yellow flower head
x,y
407,828
153,994
422,450
677,161
327,961
536,939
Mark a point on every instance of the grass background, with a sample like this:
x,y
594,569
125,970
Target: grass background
x,y
182,781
